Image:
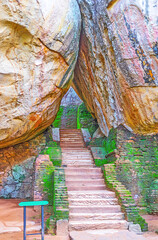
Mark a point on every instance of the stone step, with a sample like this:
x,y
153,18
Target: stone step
x,y
83,170
96,216
77,156
91,194
72,145
82,176
70,130
84,182
92,202
95,209
85,188
76,151
68,140
97,224
71,136
79,150
78,165
71,161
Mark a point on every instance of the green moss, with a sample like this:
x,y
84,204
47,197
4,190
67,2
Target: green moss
x,y
125,198
70,115
48,183
55,155
100,162
60,196
57,121
78,119
98,142
85,119
110,143
52,144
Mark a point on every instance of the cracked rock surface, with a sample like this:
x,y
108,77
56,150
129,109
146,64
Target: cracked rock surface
x,y
38,51
116,74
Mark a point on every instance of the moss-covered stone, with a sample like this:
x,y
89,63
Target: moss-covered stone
x,y
54,154
128,205
57,121
85,119
136,163
60,195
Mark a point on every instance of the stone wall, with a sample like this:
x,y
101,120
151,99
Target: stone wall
x,y
136,158
17,168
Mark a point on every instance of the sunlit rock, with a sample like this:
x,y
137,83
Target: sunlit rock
x,y
117,69
38,51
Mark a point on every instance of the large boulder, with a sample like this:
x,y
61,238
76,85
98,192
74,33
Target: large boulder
x,y
38,51
117,70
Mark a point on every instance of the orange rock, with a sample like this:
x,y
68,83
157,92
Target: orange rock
x,y
117,69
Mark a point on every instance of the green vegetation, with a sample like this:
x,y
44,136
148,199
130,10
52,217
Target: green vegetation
x,y
85,119
48,183
139,167
54,155
128,205
70,116
60,196
110,142
100,162
57,121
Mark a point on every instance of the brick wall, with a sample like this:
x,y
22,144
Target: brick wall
x,y
136,159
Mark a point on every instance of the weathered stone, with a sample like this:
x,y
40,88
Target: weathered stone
x,y
111,234
62,228
39,47
86,135
117,69
98,134
135,228
56,134
17,181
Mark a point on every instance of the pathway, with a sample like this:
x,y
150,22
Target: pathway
x,y
91,205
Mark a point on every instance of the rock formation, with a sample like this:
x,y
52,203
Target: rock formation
x,y
116,73
38,51
117,70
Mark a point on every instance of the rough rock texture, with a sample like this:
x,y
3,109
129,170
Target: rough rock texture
x,y
17,167
117,69
11,156
70,98
18,181
38,52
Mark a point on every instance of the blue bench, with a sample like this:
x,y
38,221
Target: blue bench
x,y
31,204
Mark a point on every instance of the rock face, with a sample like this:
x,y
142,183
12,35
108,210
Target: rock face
x,y
117,70
38,51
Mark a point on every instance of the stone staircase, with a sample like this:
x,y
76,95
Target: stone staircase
x,y
91,205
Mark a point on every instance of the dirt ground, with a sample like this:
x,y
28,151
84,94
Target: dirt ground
x,y
152,221
11,216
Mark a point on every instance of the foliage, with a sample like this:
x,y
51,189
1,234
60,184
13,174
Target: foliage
x,y
128,205
100,162
57,121
110,142
48,183
85,119
54,155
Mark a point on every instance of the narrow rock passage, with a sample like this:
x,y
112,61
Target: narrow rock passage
x,y
91,205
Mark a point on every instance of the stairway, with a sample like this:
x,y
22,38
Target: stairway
x,y
91,205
